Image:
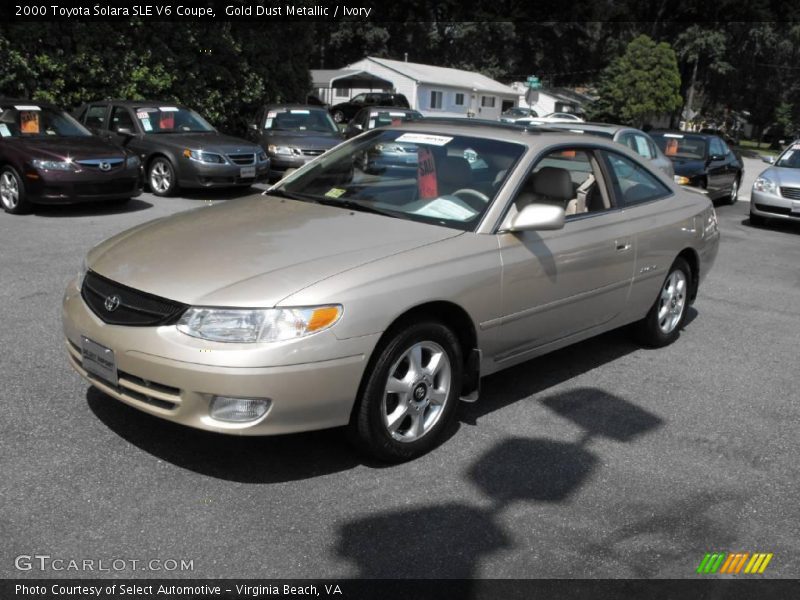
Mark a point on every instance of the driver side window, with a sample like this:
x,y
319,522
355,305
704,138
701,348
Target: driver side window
x,y
567,178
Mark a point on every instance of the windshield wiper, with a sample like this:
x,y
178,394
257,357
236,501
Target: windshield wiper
x,y
353,205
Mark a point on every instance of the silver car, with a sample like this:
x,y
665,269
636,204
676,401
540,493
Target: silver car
x,y
377,300
776,191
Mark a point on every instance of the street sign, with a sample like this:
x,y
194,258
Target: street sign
x,y
534,83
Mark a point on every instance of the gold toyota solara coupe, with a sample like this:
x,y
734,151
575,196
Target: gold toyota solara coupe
x,y
376,285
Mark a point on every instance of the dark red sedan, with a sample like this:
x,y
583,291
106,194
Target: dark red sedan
x,y
47,157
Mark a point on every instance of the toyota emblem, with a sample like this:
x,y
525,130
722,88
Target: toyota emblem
x,y
104,166
112,303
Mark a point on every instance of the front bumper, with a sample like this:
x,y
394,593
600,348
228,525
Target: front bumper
x,y
312,383
194,174
763,204
279,164
70,188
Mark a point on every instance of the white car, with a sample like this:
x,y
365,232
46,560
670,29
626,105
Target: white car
x,y
557,117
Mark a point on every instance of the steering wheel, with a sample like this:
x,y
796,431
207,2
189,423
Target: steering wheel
x,y
475,194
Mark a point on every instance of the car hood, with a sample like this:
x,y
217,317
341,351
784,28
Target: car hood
x,y
210,142
59,148
302,140
783,176
688,167
253,251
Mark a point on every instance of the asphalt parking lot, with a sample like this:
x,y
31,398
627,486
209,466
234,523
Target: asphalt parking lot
x,y
600,460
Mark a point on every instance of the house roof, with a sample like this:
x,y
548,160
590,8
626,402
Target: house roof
x,y
444,76
347,78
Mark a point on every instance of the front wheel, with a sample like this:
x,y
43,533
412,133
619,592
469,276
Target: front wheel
x,y
410,393
667,316
12,193
734,195
161,177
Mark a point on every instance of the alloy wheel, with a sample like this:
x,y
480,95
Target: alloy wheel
x,y
160,177
9,191
672,301
416,391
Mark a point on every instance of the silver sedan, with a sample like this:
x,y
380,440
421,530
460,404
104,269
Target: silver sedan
x,y
376,299
776,191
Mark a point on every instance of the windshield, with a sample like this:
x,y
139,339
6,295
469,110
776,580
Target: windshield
x,y
171,119
442,179
680,146
300,119
790,159
33,121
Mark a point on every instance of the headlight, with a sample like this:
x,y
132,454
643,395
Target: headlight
x,y
262,156
248,325
54,165
203,156
762,184
681,179
283,150
134,162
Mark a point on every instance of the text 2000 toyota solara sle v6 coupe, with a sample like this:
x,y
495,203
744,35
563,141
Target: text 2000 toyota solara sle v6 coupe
x,y
376,300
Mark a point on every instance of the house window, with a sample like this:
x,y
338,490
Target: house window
x,y
436,99
459,99
341,92
487,101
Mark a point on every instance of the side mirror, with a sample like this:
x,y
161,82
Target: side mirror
x,y
124,131
715,157
357,127
253,127
768,159
537,217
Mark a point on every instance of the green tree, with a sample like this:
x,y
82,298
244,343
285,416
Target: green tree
x,y
642,84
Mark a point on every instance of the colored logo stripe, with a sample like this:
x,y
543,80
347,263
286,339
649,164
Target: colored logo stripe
x,y
733,563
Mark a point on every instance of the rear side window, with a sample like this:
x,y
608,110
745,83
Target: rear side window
x,y
633,184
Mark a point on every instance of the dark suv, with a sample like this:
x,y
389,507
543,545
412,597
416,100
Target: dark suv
x,y
342,113
177,146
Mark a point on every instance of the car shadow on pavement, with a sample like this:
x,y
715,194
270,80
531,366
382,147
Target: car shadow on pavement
x,y
89,209
258,460
775,225
449,540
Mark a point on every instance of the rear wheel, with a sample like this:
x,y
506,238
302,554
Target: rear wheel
x,y
410,394
667,316
12,192
734,195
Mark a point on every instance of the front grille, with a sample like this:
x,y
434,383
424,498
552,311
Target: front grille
x,y
312,152
791,192
778,210
134,308
95,164
243,159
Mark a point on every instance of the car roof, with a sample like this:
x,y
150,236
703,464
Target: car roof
x,y
591,126
21,101
392,108
135,103
295,106
687,134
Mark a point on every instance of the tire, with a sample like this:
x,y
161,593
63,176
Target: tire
x,y
12,192
757,220
734,195
402,410
658,329
161,177
338,116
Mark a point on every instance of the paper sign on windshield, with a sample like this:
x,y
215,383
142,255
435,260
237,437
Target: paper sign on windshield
x,y
442,208
426,174
167,109
300,112
147,125
424,138
4,132
27,107
29,121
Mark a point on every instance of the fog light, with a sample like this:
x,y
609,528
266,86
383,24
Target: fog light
x,y
238,410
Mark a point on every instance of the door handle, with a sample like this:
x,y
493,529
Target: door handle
x,y
623,246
